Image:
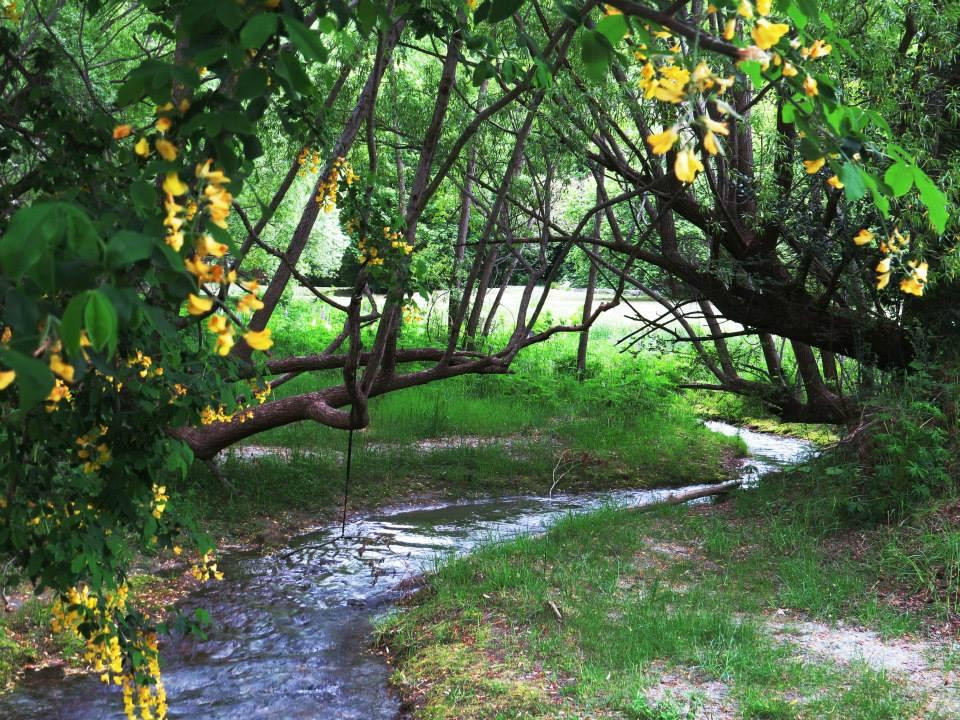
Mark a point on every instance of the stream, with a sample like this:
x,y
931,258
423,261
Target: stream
x,y
291,630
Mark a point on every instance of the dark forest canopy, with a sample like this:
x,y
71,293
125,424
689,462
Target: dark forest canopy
x,y
172,170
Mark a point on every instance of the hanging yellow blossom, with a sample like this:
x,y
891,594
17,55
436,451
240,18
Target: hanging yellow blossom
x,y
834,182
864,237
6,377
710,143
789,70
167,150
122,131
661,143
217,324
206,245
61,368
687,165
813,166
258,340
745,9
224,342
142,148
729,29
173,185
163,124
914,283
763,7
810,86
766,34
197,305
819,49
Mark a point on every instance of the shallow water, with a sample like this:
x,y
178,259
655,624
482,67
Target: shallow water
x,y
291,630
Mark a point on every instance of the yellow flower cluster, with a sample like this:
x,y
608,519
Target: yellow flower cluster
x,y
145,362
59,393
94,454
894,249
217,198
206,568
102,650
372,254
160,500
208,415
313,156
329,189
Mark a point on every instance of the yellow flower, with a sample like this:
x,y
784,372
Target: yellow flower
x,y
789,70
249,302
167,150
745,9
883,279
142,148
163,124
177,549
834,182
122,131
729,28
864,237
258,340
912,286
197,305
813,166
6,377
819,49
766,34
883,266
763,7
661,143
810,86
59,367
687,165
224,343
217,324
206,245
710,143
720,128
173,185
213,176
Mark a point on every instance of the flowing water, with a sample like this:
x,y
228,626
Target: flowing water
x,y
291,630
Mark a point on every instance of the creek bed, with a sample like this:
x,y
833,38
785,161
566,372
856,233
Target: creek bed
x,y
291,630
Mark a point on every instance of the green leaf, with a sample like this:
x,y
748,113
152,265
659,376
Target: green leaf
x,y
27,238
753,70
366,15
899,177
34,379
72,323
933,198
251,83
100,321
596,54
127,247
614,28
258,30
502,9
305,40
852,178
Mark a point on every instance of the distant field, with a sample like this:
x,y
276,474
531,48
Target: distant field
x,y
562,303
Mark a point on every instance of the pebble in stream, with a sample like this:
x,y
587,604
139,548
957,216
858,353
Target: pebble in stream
x,y
291,630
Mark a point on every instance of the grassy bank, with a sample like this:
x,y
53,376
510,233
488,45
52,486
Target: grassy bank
x,y
739,610
624,426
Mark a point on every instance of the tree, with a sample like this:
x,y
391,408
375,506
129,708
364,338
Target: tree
x,y
155,158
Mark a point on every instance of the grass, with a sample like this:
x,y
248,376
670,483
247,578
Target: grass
x,y
624,426
670,593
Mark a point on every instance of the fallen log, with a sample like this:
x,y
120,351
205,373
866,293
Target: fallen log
x,y
679,498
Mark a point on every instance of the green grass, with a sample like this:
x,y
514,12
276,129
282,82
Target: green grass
x,y
632,613
624,426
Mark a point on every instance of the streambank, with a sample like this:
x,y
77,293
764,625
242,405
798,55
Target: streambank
x,y
766,606
291,626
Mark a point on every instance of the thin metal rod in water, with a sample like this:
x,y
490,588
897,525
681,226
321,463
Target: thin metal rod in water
x,y
346,484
